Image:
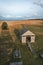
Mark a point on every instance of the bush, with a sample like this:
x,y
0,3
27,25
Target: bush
x,y
4,26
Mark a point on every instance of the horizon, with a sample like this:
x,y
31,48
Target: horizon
x,y
20,20
21,9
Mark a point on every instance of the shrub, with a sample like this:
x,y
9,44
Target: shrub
x,y
4,26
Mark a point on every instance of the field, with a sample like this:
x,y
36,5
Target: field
x,y
27,57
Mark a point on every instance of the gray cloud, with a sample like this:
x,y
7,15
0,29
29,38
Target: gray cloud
x,y
39,3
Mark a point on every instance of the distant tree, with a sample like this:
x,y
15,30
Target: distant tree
x,y
4,26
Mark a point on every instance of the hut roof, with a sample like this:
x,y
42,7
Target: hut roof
x,y
28,33
25,32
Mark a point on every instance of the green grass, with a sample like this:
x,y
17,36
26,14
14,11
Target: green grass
x,y
35,28
27,57
5,44
39,37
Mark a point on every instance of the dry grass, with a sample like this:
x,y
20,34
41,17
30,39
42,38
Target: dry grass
x,y
18,24
29,22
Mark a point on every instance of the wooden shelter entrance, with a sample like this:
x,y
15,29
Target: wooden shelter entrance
x,y
28,38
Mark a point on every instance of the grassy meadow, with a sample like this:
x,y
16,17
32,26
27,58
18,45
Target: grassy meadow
x,y
26,56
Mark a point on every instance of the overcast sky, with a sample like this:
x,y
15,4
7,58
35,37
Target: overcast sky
x,y
21,9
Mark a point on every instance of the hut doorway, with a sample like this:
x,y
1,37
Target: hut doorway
x,y
28,39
